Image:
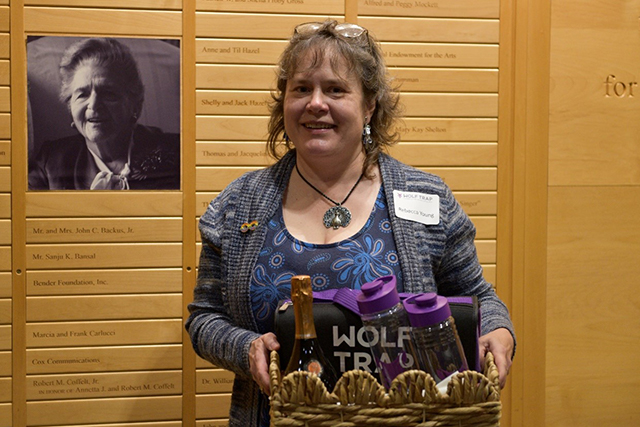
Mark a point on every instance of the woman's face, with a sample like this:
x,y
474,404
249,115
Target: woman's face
x,y
324,110
100,107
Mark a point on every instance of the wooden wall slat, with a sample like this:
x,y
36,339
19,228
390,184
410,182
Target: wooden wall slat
x,y
411,129
5,126
5,258
102,21
5,206
4,45
103,281
212,405
231,153
4,19
88,204
117,332
214,381
233,102
5,363
116,255
418,8
64,230
5,311
6,414
104,410
5,232
137,424
449,105
446,154
250,25
445,79
235,51
104,307
5,337
104,359
114,384
331,7
5,284
5,390
5,153
5,72
440,55
241,77
124,4
432,29
5,179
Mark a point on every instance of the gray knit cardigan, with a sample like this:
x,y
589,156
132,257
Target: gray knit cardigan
x,y
433,258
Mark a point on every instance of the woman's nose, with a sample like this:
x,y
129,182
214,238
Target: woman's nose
x,y
93,101
317,102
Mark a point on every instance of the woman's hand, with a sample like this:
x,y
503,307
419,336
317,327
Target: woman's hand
x,y
259,355
500,343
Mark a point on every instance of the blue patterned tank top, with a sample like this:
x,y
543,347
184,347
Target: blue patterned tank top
x,y
368,254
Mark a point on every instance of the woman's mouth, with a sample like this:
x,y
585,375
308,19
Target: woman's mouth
x,y
318,126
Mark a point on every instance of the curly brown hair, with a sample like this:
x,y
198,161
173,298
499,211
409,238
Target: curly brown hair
x,y
364,58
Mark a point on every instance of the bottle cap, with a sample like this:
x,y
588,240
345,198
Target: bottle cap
x,y
379,295
427,309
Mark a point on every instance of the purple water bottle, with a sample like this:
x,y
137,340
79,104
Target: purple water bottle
x,y
387,328
440,352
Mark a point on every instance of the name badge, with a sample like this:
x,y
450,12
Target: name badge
x,y
422,208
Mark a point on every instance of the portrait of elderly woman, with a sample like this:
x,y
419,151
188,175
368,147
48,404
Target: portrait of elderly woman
x,y
103,136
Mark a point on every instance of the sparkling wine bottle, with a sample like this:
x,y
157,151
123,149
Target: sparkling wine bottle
x,y
307,354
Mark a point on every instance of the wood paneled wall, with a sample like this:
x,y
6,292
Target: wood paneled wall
x,y
526,110
593,306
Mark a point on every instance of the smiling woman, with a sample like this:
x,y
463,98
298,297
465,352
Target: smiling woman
x,y
328,208
107,149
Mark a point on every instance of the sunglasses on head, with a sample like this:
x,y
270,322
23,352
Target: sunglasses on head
x,y
346,30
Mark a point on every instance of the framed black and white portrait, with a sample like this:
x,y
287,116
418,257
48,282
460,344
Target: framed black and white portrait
x,y
103,113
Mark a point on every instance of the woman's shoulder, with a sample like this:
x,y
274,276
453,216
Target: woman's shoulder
x,y
59,154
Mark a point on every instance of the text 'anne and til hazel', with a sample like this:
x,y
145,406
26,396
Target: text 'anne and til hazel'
x,y
404,334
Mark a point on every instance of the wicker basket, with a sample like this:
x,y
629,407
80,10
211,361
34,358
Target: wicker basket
x,y
301,399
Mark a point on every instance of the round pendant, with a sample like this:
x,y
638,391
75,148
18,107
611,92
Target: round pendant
x,y
336,217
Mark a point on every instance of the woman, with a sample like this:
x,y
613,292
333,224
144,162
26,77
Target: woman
x,y
327,209
104,93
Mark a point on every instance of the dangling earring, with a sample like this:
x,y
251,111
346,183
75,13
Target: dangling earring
x,y
366,134
73,125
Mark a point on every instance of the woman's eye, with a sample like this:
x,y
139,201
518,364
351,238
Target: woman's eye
x,y
80,95
336,90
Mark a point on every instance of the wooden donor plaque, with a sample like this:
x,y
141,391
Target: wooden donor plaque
x,y
97,307
96,385
5,152
427,8
223,51
66,230
125,332
272,6
214,381
108,281
115,410
231,153
104,359
104,255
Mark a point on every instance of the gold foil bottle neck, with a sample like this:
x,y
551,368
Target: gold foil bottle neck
x,y
302,298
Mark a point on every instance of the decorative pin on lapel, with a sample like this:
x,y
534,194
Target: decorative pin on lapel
x,y
249,226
